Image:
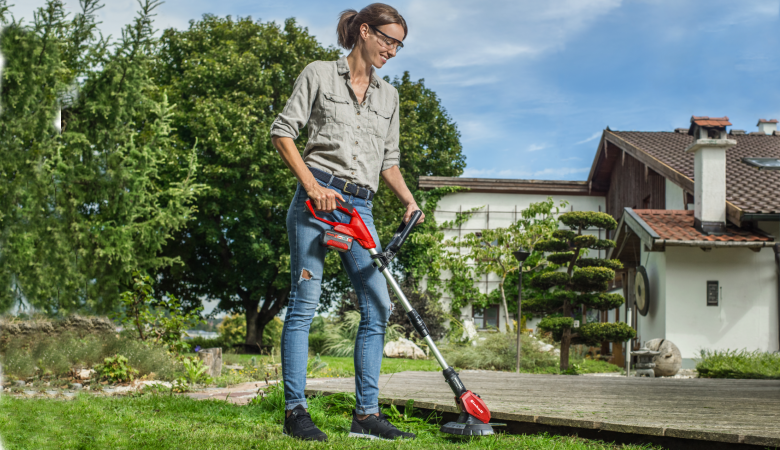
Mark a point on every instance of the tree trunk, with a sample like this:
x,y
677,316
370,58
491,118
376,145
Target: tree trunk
x,y
565,344
509,327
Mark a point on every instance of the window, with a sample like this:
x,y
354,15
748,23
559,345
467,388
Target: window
x,y
486,317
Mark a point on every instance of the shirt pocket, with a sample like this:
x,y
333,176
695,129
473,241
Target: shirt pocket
x,y
337,108
379,122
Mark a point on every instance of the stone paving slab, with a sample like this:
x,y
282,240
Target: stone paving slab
x,y
731,411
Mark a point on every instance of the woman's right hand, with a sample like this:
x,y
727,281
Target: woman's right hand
x,y
323,199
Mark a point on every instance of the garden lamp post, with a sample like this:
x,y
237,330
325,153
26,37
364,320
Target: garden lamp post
x,y
521,256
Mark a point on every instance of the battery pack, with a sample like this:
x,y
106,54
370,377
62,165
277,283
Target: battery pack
x,y
337,241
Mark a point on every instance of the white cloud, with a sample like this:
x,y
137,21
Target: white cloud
x,y
594,137
536,147
470,33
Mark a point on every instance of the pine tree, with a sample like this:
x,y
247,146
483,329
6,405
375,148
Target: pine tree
x,y
583,283
85,208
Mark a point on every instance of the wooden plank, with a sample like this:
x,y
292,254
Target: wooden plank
x,y
498,185
702,409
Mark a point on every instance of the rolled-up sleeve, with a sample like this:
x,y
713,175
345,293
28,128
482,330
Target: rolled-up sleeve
x,y
298,108
392,151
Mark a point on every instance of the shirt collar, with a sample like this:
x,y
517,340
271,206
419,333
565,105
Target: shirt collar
x,y
343,68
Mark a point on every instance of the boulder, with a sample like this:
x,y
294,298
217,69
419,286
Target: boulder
x,y
85,374
212,358
404,348
669,361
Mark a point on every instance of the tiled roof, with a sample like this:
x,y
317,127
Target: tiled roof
x,y
674,225
766,121
704,121
747,188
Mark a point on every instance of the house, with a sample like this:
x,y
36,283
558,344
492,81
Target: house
x,y
707,249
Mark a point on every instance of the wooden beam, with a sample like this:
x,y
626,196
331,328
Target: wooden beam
x,y
623,159
606,155
668,172
646,170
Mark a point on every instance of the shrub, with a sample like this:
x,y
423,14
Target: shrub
x,y
550,279
195,371
564,235
556,325
588,219
600,301
613,264
560,258
115,369
595,333
232,330
587,275
341,335
552,245
585,240
738,364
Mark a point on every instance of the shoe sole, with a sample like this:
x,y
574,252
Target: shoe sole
x,y
284,432
352,434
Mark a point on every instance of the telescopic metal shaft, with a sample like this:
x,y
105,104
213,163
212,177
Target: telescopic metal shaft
x,y
408,307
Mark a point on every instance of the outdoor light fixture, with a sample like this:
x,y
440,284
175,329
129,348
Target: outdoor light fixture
x,y
520,255
763,163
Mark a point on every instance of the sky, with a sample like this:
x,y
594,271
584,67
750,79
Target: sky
x,y
531,85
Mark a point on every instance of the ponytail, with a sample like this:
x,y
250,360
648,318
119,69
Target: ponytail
x,y
376,14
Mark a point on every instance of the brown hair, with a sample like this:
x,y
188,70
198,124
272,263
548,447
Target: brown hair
x,y
376,14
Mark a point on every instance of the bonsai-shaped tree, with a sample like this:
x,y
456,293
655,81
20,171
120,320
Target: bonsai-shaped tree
x,y
583,283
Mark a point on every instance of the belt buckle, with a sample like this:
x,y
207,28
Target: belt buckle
x,y
346,187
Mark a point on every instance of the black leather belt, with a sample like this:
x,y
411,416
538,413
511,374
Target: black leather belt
x,y
346,186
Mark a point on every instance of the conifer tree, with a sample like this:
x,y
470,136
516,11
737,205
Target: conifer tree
x,y
583,283
84,208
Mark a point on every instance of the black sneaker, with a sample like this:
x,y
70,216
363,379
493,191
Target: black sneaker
x,y
300,426
376,427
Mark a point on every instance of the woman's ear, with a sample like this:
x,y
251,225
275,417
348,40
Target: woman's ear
x,y
364,31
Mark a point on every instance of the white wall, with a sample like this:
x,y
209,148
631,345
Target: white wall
x,y
675,196
772,228
746,316
501,210
654,324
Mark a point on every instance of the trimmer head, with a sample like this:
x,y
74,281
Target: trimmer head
x,y
467,425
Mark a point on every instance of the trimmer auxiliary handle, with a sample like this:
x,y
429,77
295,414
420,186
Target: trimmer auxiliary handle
x,y
475,416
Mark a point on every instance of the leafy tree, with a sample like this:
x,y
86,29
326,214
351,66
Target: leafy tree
x,y
229,79
490,252
583,283
83,209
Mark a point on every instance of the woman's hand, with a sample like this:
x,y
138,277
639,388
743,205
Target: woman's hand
x,y
322,199
410,209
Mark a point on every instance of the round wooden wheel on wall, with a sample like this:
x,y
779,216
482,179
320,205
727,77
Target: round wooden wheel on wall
x,y
642,291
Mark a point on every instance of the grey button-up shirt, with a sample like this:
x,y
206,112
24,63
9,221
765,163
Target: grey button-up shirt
x,y
353,141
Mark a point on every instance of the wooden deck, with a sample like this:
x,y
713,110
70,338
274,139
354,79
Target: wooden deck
x,y
722,411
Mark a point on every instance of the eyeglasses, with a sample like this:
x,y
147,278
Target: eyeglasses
x,y
389,42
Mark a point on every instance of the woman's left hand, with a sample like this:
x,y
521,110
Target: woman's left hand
x,y
411,208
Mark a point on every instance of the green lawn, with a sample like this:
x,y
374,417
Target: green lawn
x,y
163,422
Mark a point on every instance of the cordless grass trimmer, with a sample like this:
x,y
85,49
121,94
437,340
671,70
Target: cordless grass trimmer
x,y
474,418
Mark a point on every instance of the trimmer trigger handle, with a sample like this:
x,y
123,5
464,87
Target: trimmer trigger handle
x,y
347,206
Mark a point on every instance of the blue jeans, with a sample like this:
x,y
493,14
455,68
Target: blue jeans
x,y
307,259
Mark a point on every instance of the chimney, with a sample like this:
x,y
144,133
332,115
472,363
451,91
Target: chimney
x,y
767,126
709,178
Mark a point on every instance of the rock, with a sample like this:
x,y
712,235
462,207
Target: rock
x,y
85,374
669,361
76,386
52,393
19,383
404,348
234,366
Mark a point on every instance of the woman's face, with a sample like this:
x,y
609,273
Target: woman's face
x,y
375,45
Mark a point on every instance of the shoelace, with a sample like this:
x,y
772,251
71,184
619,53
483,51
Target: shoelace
x,y
304,420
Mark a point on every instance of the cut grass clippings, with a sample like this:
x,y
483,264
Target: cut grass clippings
x,y
154,421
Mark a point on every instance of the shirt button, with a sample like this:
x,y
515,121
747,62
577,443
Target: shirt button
x,y
356,142
358,127
358,113
364,103
353,173
355,158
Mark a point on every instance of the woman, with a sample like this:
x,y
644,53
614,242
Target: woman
x,y
353,139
